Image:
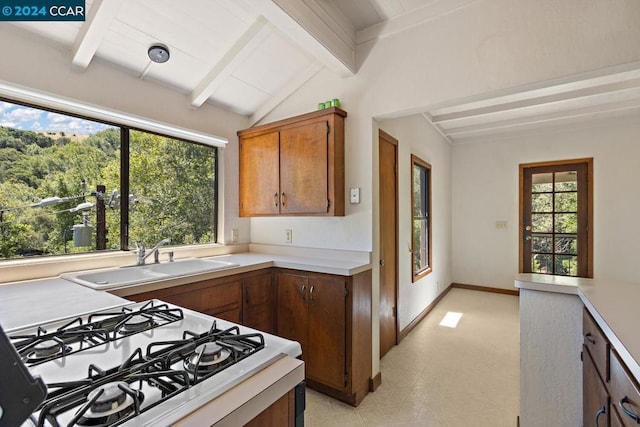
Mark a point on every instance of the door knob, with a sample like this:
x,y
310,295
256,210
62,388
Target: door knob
x,y
381,262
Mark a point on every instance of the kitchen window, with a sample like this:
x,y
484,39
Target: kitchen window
x,y
70,184
421,217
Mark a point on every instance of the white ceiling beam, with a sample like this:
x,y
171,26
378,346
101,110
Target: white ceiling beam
x,y
583,81
285,92
557,121
412,19
307,24
236,55
543,117
532,107
427,117
93,30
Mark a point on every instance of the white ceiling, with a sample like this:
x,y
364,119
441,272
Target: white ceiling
x,y
249,55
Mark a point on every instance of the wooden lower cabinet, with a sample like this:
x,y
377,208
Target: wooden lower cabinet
x,y
280,414
611,395
595,398
258,305
625,393
330,316
217,297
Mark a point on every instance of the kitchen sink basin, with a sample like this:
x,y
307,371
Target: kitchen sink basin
x,y
187,266
125,276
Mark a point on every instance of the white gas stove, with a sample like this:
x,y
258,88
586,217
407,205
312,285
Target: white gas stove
x,y
142,364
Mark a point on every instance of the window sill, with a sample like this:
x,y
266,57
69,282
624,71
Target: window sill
x,y
421,274
39,268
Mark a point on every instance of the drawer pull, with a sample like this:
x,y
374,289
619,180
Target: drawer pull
x,y
590,338
311,293
629,414
600,412
275,199
303,288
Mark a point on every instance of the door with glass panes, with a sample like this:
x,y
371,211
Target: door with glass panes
x,y
556,218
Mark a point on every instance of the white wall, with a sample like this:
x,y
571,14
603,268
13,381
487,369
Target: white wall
x,y
35,63
416,136
490,46
485,189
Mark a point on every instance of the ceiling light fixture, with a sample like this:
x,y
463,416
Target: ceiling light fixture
x,y
158,53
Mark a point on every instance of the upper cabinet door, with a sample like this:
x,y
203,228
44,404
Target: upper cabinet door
x,y
294,166
259,175
303,169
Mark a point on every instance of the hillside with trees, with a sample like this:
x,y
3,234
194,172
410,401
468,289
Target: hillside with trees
x,y
172,181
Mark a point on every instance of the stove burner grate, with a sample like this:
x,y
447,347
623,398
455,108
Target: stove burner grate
x,y
206,357
108,404
99,328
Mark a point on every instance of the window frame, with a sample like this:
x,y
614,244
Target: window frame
x,y
419,274
124,174
585,213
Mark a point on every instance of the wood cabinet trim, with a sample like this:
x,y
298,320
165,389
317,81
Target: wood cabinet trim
x,y
267,127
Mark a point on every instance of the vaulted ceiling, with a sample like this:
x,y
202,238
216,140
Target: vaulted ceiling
x,y
250,55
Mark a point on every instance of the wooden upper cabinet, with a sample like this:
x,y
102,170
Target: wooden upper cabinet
x,y
259,171
304,179
294,166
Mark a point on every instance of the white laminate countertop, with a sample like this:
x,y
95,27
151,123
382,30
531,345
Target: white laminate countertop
x,y
250,262
612,304
37,301
341,267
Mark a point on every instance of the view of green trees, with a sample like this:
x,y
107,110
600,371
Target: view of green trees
x,y
554,221
173,182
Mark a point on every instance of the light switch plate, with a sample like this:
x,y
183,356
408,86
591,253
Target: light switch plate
x,y
354,195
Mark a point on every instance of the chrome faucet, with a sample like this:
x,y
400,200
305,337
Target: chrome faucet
x,y
143,255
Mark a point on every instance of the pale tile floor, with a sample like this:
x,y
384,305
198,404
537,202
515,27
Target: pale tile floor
x,y
440,376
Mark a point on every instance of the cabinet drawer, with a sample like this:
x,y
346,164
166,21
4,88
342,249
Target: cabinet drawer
x,y
624,392
597,344
209,300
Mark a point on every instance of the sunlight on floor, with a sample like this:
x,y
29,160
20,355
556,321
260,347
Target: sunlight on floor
x,y
451,319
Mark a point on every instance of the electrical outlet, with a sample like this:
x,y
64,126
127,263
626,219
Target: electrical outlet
x,y
288,236
501,225
354,195
234,235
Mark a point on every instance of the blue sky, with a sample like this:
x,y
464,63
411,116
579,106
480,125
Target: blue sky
x,y
27,118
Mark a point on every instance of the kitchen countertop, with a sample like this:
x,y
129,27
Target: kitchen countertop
x,y
611,303
250,262
38,301
343,267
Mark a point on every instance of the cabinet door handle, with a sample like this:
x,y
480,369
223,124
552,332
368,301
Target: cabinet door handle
x,y
283,199
275,199
311,293
589,338
627,412
303,288
600,412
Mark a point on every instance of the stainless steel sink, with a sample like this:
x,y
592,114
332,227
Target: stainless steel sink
x,y
117,277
